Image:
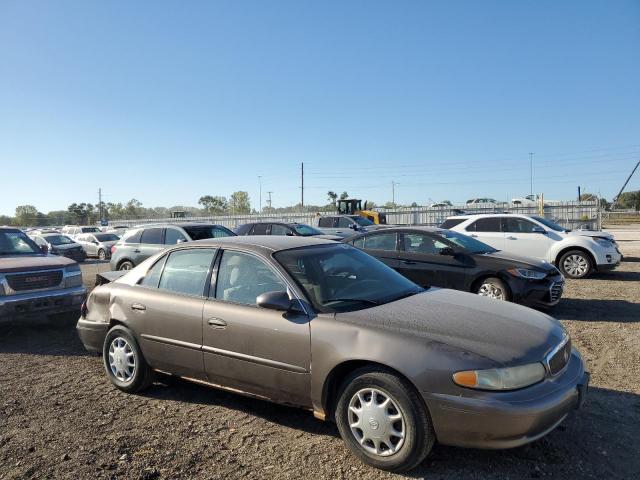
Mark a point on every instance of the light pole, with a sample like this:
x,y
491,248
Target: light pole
x,y
260,187
393,192
531,172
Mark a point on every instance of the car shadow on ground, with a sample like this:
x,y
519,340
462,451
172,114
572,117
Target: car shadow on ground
x,y
616,276
577,441
631,259
41,335
597,310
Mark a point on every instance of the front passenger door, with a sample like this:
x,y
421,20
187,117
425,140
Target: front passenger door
x,y
260,351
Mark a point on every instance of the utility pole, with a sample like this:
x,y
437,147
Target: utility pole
x,y
531,172
260,186
269,201
393,192
302,184
100,204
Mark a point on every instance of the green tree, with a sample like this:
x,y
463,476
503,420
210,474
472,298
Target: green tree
x,y
239,202
630,200
332,196
27,215
83,212
344,196
214,205
5,220
585,197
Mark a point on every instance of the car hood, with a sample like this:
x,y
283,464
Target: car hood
x,y
515,261
502,332
588,233
21,263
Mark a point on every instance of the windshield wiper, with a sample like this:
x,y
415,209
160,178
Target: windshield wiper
x,y
363,300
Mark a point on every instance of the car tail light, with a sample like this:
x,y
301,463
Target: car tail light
x,y
113,249
84,310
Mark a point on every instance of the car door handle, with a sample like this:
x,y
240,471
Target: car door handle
x,y
408,262
473,235
217,323
512,238
137,250
138,306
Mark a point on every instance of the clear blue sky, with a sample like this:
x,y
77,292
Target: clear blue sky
x,y
167,101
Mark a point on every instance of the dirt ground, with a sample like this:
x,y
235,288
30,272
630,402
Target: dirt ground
x,y
61,418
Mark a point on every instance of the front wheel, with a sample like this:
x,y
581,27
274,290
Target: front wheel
x,y
575,264
123,360
493,287
383,421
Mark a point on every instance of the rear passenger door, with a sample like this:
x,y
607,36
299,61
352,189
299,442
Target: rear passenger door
x,y
257,350
383,246
151,242
487,230
166,310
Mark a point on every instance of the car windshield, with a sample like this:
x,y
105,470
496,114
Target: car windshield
x,y
58,240
305,230
90,229
106,237
363,222
202,232
16,243
341,278
470,244
550,224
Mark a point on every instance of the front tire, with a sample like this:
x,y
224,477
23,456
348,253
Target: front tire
x,y
493,287
383,421
575,264
123,360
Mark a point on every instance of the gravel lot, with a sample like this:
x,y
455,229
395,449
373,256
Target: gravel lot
x,y
61,418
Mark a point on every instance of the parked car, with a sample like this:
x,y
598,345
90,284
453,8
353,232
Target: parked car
x,y
292,229
443,258
140,243
97,244
32,282
73,230
395,365
58,244
576,253
345,225
445,204
482,202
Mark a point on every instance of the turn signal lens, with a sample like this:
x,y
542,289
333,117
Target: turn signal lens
x,y
509,378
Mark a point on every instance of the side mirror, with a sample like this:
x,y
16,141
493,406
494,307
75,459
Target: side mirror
x,y
44,249
274,301
181,240
95,242
539,230
447,251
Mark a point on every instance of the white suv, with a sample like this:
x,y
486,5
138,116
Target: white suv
x,y
575,253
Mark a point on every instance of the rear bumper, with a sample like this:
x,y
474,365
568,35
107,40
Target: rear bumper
x,y
508,419
92,334
42,303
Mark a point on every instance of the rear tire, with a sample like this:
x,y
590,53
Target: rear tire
x,y
575,264
125,265
123,361
493,287
397,433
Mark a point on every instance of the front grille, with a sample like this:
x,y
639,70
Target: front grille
x,y
555,291
559,359
34,280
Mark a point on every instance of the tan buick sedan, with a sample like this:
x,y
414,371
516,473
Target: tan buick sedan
x,y
326,327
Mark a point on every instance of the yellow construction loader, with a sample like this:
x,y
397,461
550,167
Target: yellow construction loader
x,y
351,206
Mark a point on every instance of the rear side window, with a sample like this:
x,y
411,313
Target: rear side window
x,y
385,241
186,271
152,277
489,224
325,222
243,277
452,222
133,237
260,229
152,236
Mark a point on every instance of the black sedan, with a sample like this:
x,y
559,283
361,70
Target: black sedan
x,y
443,258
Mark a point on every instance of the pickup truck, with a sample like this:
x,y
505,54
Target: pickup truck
x,y
346,225
33,282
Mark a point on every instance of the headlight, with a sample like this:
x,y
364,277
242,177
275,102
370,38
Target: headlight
x,y
525,273
603,242
509,378
72,275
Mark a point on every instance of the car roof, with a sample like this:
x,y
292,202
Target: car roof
x,y
272,243
179,224
466,216
403,228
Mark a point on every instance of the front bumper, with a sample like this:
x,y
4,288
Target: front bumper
x,y
47,302
608,259
508,419
92,334
541,293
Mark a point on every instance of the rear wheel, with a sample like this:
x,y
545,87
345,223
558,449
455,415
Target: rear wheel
x,y
493,287
125,265
383,421
123,360
575,264
102,254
